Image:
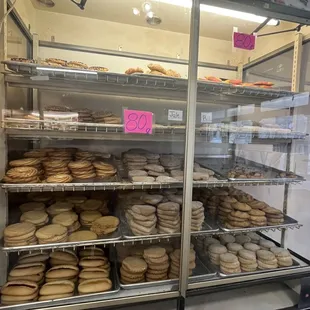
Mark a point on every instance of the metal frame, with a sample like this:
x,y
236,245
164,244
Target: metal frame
x,y
148,295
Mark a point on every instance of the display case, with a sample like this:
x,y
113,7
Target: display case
x,y
144,157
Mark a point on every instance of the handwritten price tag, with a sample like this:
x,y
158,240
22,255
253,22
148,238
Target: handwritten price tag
x,y
244,41
138,121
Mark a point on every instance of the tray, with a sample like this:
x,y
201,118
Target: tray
x,y
110,238
200,273
288,222
71,300
222,167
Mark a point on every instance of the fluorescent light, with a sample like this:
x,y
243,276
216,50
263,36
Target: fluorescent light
x,y
65,70
224,12
135,11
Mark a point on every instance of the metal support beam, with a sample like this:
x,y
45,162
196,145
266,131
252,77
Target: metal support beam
x,y
297,62
189,145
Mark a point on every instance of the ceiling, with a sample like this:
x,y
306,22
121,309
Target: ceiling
x,y
174,18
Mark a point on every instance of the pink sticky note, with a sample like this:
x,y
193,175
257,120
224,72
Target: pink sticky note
x,y
138,121
244,41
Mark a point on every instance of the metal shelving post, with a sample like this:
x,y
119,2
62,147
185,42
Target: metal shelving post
x,y
189,149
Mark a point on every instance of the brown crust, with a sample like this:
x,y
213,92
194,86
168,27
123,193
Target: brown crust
x,y
99,69
134,70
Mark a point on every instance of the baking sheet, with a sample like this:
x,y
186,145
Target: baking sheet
x,y
288,221
200,273
72,300
223,166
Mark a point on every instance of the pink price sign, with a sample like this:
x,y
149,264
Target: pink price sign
x,y
138,122
244,41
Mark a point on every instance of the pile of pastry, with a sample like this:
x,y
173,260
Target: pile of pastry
x,y
245,253
158,212
53,165
144,166
58,274
152,263
241,172
88,116
154,69
237,209
55,62
50,218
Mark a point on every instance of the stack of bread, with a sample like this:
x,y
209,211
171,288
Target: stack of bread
x,y
104,170
142,219
33,271
65,154
82,169
54,167
88,217
133,270
266,260
134,161
84,156
92,205
19,292
247,260
198,215
56,289
175,263
283,256
229,263
62,272
106,118
63,257
59,207
53,233
104,225
76,200
22,175
170,162
234,248
214,251
157,263
274,216
155,170
20,234
68,219
152,159
85,115
169,220
38,218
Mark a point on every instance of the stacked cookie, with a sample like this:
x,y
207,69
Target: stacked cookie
x,y
229,263
105,117
266,244
85,115
82,169
157,264
59,178
52,233
266,260
214,252
20,234
257,218
38,218
90,205
59,207
247,260
133,270
225,239
19,292
152,159
61,154
155,170
169,220
283,257
104,225
67,219
88,217
251,247
198,216
242,239
208,241
134,161
19,175
28,272
56,289
239,218
54,167
274,216
142,219
84,156
234,248
170,162
63,257
104,170
62,272
174,270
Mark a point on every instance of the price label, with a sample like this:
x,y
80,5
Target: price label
x,y
175,115
138,121
206,117
244,41
240,138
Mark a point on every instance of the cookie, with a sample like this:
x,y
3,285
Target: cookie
x,y
217,249
234,248
251,246
240,214
241,239
266,244
246,254
265,255
134,265
224,239
241,206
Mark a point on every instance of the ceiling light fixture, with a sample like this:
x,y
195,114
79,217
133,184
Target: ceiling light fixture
x,y
47,3
224,12
146,7
135,11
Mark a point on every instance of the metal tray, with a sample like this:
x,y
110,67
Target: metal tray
x,y
110,238
71,300
288,222
200,273
223,166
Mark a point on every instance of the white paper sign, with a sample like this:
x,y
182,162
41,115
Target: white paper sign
x,y
175,115
206,117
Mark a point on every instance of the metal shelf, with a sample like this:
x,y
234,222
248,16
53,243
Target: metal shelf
x,y
65,79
